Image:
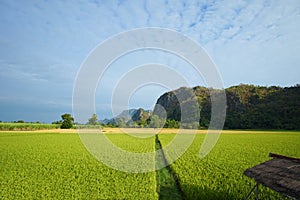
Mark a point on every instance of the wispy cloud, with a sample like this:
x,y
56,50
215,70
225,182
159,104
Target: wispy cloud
x,y
46,41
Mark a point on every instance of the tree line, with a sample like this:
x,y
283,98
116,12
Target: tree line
x,y
248,107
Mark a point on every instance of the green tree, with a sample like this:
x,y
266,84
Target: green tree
x,y
68,121
155,122
93,120
57,122
122,123
171,123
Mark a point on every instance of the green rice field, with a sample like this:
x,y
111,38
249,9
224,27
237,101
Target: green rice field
x,y
6,126
220,174
51,165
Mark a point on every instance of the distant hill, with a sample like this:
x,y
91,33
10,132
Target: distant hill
x,y
130,118
248,106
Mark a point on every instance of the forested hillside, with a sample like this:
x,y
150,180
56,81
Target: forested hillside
x,y
248,106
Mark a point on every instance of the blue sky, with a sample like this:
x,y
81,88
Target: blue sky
x,y
43,43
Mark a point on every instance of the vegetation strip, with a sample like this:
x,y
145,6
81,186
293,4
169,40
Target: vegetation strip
x,y
56,166
168,186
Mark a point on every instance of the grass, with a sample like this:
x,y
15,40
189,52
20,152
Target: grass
x,y
220,174
167,187
54,165
5,126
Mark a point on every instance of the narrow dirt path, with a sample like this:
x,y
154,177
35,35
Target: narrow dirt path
x,y
168,186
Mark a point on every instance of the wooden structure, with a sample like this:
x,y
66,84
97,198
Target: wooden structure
x,y
281,174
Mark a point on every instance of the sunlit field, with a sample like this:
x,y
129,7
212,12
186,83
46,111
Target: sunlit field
x,y
55,164
220,174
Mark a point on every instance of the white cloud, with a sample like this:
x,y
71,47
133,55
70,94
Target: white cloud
x,y
250,41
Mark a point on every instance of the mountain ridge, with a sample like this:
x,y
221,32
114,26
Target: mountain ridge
x,y
248,107
129,118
